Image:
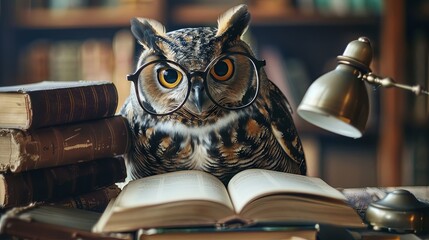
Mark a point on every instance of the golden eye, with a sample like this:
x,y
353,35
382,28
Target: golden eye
x,y
169,77
222,70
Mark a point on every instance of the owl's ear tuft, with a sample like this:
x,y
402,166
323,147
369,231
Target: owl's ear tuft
x,y
234,22
148,32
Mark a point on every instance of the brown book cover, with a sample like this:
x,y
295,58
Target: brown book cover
x,y
53,223
23,150
57,183
95,201
52,102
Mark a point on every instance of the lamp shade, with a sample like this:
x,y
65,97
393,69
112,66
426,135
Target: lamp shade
x,y
338,100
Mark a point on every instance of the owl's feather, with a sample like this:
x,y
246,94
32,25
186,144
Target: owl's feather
x,y
283,128
234,22
148,32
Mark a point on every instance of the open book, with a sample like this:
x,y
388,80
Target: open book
x,y
254,196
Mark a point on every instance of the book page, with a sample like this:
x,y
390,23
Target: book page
x,y
254,183
173,187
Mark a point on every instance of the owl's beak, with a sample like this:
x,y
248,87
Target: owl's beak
x,y
197,96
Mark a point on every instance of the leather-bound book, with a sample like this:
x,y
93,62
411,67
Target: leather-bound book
x,y
23,150
57,183
52,102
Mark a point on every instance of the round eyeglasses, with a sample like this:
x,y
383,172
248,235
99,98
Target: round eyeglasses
x,y
231,82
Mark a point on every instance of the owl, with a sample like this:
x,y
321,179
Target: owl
x,y
200,99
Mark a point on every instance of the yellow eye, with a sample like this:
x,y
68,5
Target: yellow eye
x,y
169,77
222,70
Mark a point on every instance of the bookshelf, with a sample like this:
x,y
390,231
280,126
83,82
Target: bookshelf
x,y
314,36
202,14
91,17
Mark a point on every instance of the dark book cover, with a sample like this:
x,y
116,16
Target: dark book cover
x,y
54,184
63,144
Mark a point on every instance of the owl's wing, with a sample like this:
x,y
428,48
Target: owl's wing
x,y
283,126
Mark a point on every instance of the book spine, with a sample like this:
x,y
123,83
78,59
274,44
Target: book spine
x,y
52,107
69,143
57,183
13,227
94,201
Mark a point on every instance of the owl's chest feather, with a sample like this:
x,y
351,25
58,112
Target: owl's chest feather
x,y
200,147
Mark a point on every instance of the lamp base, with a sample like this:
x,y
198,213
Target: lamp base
x,y
399,211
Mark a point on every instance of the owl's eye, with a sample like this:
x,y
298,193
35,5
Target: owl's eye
x,y
169,77
222,70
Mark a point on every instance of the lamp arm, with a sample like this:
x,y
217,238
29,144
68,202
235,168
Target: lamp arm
x,y
388,82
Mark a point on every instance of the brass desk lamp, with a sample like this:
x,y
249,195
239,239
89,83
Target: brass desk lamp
x,y
338,102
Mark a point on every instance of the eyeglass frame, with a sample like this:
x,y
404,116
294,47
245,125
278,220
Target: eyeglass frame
x,y
257,64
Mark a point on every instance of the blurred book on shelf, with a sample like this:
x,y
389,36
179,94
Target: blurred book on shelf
x,y
64,61
289,74
86,59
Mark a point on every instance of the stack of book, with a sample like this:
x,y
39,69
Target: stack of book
x,y
61,142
